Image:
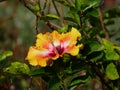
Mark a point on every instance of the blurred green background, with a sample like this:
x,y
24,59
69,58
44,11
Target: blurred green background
x,y
17,28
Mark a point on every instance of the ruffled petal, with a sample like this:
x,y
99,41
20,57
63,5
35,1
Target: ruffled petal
x,y
55,38
74,50
50,46
69,40
37,56
41,40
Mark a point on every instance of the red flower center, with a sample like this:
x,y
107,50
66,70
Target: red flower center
x,y
59,50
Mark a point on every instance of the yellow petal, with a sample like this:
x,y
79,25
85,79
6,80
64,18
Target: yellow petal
x,y
55,38
42,39
75,33
70,38
75,50
37,57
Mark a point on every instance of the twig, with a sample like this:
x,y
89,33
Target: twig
x,y
102,23
96,70
12,14
55,7
63,22
99,38
81,22
36,28
52,25
49,4
30,83
70,2
45,4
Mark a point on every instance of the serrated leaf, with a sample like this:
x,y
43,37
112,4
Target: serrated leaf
x,y
17,68
111,72
111,55
4,55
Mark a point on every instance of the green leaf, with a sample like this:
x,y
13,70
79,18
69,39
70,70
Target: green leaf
x,y
54,83
111,55
66,58
76,18
90,6
111,72
17,68
38,72
76,81
36,8
117,48
4,55
93,13
70,19
52,16
78,4
93,46
95,56
63,29
108,45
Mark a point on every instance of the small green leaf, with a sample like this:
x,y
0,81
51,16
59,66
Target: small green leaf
x,y
52,16
4,55
36,8
108,45
111,72
63,29
111,55
17,68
